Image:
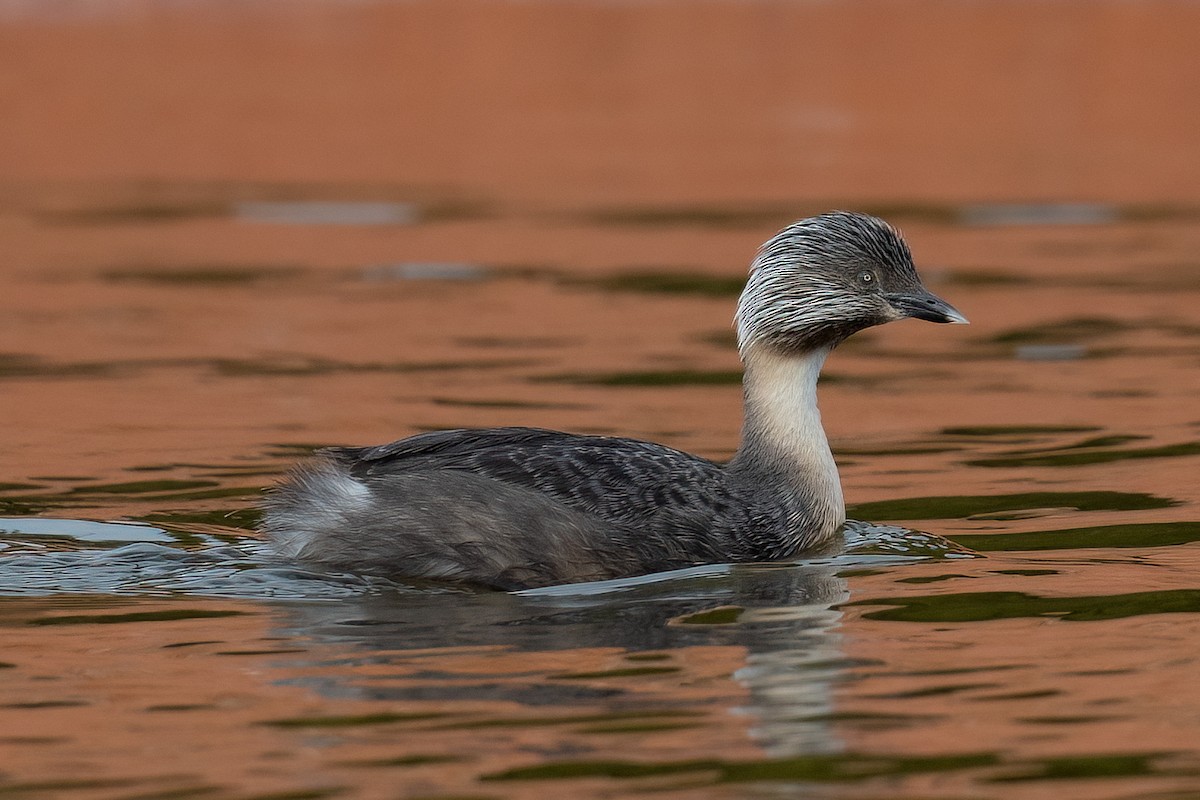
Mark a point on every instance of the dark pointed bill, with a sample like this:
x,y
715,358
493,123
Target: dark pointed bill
x,y
923,304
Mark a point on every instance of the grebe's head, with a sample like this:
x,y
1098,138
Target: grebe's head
x,y
824,278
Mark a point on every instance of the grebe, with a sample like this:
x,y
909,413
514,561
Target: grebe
x,y
514,508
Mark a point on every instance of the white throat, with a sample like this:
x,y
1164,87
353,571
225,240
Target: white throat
x,y
783,428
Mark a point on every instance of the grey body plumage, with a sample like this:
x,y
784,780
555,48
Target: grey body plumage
x,y
519,507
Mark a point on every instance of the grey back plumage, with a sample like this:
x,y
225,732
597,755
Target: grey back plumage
x,y
583,471
639,486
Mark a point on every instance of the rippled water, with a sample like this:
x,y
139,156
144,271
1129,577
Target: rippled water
x,y
1017,613
1042,634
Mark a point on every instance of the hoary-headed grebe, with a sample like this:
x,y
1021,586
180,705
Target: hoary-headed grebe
x,y
515,508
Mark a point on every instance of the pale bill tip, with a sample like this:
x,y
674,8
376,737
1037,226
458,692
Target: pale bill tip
x,y
955,317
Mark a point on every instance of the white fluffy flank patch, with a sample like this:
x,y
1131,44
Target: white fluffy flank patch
x,y
318,498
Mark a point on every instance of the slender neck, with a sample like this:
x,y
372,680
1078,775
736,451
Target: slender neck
x,y
783,443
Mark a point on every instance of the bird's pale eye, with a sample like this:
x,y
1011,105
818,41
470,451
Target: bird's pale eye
x,y
866,278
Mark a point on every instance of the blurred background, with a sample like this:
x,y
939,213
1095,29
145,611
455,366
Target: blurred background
x,y
590,105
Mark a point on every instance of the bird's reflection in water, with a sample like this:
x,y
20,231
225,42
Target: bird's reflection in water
x,y
777,626
774,630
